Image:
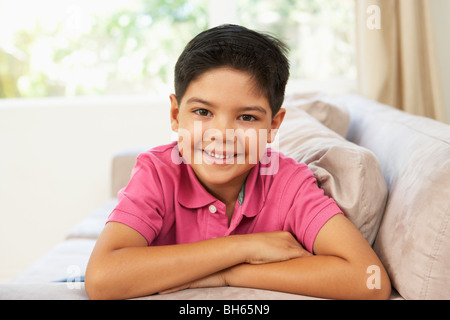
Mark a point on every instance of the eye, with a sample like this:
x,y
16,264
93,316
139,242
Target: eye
x,y
202,112
247,117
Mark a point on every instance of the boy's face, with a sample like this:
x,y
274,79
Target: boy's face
x,y
223,124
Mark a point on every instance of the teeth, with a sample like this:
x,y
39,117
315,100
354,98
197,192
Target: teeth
x,y
217,156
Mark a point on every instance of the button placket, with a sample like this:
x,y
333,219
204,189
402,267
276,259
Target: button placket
x,y
217,220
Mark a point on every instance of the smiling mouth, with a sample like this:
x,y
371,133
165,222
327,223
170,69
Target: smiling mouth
x,y
222,158
219,156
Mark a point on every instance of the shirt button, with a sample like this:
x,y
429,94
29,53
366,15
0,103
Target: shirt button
x,y
212,209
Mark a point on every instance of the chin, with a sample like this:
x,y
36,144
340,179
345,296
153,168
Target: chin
x,y
220,175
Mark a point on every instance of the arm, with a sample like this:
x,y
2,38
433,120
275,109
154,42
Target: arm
x,y
338,270
123,266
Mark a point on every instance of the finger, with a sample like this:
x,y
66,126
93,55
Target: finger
x,y
303,252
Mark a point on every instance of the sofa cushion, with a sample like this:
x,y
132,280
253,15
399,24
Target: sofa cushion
x,y
345,171
321,108
414,154
65,261
43,291
92,226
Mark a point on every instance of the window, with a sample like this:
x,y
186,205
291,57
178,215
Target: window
x,y
72,48
69,48
320,33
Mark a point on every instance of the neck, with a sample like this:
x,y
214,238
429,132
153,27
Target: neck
x,y
229,192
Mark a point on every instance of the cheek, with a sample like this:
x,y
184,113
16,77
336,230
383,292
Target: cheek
x,y
189,131
253,143
185,141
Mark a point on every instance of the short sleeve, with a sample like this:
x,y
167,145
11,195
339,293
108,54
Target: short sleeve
x,y
140,204
308,207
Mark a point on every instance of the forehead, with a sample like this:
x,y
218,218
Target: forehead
x,y
226,86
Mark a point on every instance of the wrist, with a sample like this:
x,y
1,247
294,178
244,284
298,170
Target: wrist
x,y
233,274
242,248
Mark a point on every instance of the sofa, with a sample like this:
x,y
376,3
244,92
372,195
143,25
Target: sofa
x,y
389,171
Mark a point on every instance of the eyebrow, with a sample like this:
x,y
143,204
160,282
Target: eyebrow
x,y
209,104
198,100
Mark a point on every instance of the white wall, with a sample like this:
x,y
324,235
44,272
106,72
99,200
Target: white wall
x,y
441,23
55,163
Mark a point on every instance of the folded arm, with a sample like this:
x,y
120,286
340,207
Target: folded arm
x,y
123,266
342,268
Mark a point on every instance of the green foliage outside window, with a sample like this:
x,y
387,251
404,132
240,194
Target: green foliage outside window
x,y
320,33
130,50
128,47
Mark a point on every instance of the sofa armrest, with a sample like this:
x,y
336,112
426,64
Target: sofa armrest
x,y
122,165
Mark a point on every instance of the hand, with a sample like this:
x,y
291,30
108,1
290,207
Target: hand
x,y
214,280
261,248
273,247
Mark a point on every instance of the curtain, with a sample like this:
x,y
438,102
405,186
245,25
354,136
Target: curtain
x,y
396,58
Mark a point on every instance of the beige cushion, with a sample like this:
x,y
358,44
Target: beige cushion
x,y
319,106
122,165
67,260
92,226
414,237
347,172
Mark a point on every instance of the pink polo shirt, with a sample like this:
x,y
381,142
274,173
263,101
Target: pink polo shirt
x,y
165,202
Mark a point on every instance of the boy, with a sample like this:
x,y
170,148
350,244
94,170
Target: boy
x,y
216,208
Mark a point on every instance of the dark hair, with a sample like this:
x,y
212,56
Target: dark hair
x,y
261,55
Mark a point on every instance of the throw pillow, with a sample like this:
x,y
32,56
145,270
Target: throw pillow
x,y
345,171
318,105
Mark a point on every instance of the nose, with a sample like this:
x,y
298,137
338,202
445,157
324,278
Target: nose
x,y
221,130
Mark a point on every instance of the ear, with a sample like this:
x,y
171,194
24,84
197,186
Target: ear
x,y
174,111
275,125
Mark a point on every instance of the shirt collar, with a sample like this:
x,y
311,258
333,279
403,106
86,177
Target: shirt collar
x,y
192,194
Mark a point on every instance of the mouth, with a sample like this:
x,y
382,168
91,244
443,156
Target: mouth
x,y
219,155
